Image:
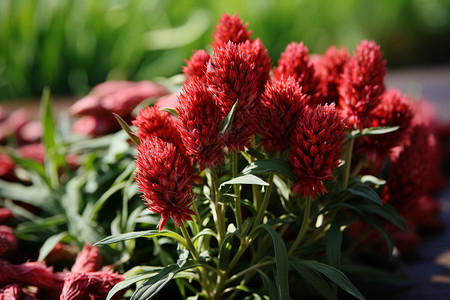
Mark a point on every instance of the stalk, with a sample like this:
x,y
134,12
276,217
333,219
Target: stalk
x,y
237,191
265,203
305,225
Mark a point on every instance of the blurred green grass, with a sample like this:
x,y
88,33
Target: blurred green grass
x,y
72,45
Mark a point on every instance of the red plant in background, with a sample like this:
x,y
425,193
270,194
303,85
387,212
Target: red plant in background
x,y
230,28
276,116
164,176
294,61
199,120
316,146
8,240
94,285
196,66
88,260
362,84
231,76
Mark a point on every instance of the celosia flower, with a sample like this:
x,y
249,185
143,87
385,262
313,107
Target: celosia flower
x,y
316,146
260,56
11,292
393,110
6,167
231,76
164,176
329,68
276,117
94,285
8,240
154,122
196,66
294,61
28,274
230,28
96,125
89,260
61,252
5,214
362,83
199,120
34,151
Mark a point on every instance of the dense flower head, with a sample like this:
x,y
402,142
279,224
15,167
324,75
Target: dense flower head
x,y
260,56
93,285
394,109
230,28
294,61
89,260
196,66
8,240
281,105
316,146
414,171
361,84
199,121
28,274
231,76
152,121
329,68
164,176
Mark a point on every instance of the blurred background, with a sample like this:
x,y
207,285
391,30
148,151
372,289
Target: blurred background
x,y
73,45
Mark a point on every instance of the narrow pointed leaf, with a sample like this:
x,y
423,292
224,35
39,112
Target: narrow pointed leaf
x,y
278,165
127,129
365,191
225,124
171,111
148,233
244,179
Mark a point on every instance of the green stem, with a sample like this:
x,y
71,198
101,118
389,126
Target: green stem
x,y
305,225
265,203
237,191
188,240
215,197
348,162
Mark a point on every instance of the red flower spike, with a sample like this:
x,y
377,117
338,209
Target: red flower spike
x,y
28,274
393,110
199,120
95,286
261,58
8,240
316,146
196,66
362,83
230,28
329,68
89,260
294,61
276,117
154,122
231,75
164,176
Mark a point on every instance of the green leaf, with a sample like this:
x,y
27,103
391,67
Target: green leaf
x,y
365,191
387,237
244,179
205,231
365,273
372,131
385,211
171,111
127,129
225,249
372,179
225,124
313,278
154,284
148,233
35,195
333,242
278,165
131,280
333,274
50,243
269,285
281,261
48,121
31,165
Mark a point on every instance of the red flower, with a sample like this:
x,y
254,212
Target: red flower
x,y
231,75
61,252
33,151
94,285
260,56
294,61
329,68
164,176
5,213
316,146
6,167
362,83
276,117
11,292
196,66
199,120
89,260
28,274
8,240
393,110
154,122
230,28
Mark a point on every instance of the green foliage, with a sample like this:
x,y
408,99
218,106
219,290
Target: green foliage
x,y
72,45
